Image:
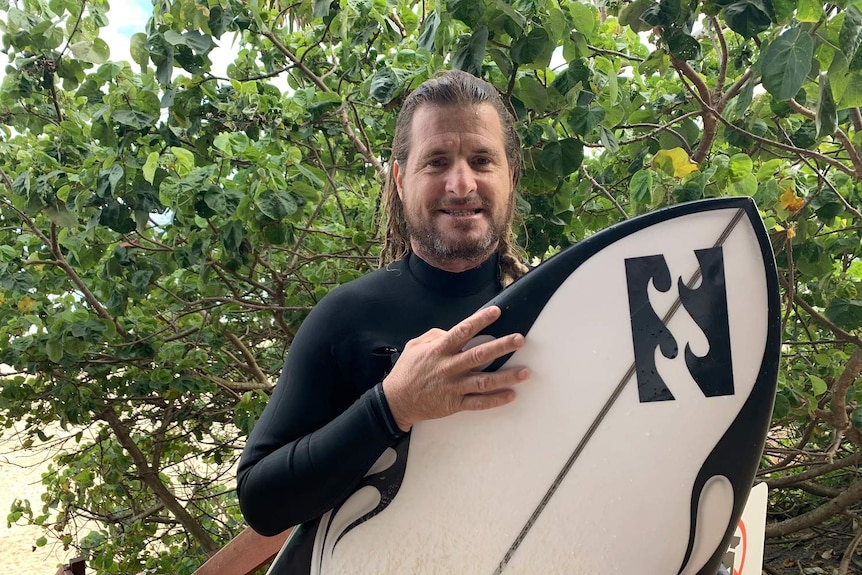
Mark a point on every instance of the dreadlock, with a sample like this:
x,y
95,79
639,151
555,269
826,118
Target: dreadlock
x,y
451,89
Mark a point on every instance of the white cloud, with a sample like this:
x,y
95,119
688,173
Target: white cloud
x,y
124,20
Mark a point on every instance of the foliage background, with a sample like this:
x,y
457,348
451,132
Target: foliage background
x,y
163,230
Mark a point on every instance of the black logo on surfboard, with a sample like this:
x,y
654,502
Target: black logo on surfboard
x,y
707,306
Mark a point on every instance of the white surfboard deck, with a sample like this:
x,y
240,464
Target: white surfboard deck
x,y
471,499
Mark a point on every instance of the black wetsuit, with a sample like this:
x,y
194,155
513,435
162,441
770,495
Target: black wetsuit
x,y
327,421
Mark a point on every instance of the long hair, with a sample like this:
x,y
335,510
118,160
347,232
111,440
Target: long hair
x,y
453,88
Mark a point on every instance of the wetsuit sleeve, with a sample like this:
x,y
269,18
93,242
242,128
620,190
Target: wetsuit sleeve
x,y
307,452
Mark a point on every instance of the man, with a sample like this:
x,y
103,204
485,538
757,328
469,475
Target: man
x,y
342,399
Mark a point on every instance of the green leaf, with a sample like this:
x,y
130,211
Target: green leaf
x,y
150,166
631,15
850,35
91,330
741,178
133,118
222,201
851,97
583,119
470,12
782,406
276,205
54,350
138,49
563,157
94,52
118,217
232,236
516,18
640,187
428,36
739,167
826,119
387,84
199,42
533,94
786,62
609,140
813,262
576,73
748,18
680,45
805,136
185,160
809,10
232,143
21,185
585,17
174,38
61,216
321,8
656,61
845,313
470,55
818,386
664,13
275,234
534,48
18,283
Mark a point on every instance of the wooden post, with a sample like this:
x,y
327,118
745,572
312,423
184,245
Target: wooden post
x,y
76,566
244,554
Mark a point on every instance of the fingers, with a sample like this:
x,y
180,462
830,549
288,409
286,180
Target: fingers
x,y
483,354
465,330
482,401
435,376
492,382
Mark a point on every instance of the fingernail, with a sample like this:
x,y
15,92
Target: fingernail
x,y
518,339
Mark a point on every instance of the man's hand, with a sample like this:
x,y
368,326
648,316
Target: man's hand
x,y
434,378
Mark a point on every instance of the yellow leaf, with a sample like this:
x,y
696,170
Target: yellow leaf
x,y
791,232
790,201
25,304
674,162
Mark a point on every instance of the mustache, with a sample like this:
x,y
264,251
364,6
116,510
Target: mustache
x,y
472,201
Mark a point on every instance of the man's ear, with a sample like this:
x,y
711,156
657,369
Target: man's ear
x,y
398,177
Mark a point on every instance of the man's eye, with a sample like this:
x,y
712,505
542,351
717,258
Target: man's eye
x,y
482,161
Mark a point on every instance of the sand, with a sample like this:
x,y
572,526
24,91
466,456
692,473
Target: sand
x,y
20,476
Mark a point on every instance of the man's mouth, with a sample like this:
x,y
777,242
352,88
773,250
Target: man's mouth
x,y
462,212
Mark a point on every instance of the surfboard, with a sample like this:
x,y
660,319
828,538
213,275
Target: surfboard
x,y
653,347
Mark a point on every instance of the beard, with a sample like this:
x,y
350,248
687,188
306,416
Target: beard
x,y
465,246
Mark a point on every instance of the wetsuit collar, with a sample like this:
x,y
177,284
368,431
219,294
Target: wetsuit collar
x,y
465,283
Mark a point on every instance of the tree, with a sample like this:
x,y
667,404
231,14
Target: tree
x,y
164,230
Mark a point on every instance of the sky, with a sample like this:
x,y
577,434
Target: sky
x,y
126,17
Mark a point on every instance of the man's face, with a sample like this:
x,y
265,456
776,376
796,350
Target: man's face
x,y
456,185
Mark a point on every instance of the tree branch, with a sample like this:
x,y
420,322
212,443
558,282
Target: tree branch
x,y
850,496
813,473
150,477
709,116
253,367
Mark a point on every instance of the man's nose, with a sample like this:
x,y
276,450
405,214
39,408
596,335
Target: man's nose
x,y
461,180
